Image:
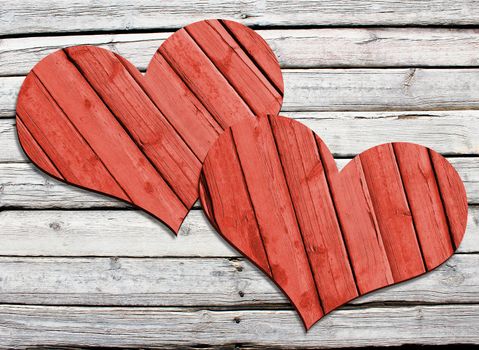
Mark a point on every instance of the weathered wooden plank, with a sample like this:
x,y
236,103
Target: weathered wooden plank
x,y
219,282
295,48
349,133
33,16
22,326
351,90
23,185
109,233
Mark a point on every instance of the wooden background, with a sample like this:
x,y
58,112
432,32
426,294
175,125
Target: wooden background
x,y
79,269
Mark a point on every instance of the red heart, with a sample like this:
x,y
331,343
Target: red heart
x,y
88,117
272,189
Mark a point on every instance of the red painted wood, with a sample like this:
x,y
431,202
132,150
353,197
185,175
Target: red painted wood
x,y
89,117
392,212
425,203
329,236
315,212
266,183
451,189
359,224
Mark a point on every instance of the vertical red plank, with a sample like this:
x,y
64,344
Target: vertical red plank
x,y
222,201
358,222
33,150
61,142
315,211
256,47
276,217
236,66
392,212
144,122
453,195
425,202
121,156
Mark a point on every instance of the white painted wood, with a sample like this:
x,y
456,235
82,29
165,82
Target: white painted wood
x,y
22,326
351,90
198,282
350,133
129,233
295,48
23,185
47,16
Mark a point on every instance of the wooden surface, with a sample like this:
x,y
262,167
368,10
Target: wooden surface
x,y
71,273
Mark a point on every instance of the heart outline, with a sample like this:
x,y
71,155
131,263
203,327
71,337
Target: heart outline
x,y
216,178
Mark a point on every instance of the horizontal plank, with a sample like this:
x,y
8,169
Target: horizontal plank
x,y
110,232
350,133
295,48
357,89
22,185
43,16
198,282
22,326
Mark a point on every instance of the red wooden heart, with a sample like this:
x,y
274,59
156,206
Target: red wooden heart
x,y
88,117
272,189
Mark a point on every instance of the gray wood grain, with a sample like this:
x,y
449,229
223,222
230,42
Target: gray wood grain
x,y
350,133
47,16
295,48
129,233
22,185
199,282
351,90
22,326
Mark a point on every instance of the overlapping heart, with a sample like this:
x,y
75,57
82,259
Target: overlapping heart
x,y
208,107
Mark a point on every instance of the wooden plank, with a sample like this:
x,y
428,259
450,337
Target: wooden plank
x,y
276,215
23,326
108,233
380,89
352,90
447,132
23,185
249,240
392,211
33,16
218,282
295,48
431,221
359,224
307,181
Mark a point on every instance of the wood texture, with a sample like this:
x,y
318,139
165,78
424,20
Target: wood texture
x,y
330,236
104,232
295,48
338,129
447,123
107,233
208,282
162,124
35,16
26,325
352,90
24,186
